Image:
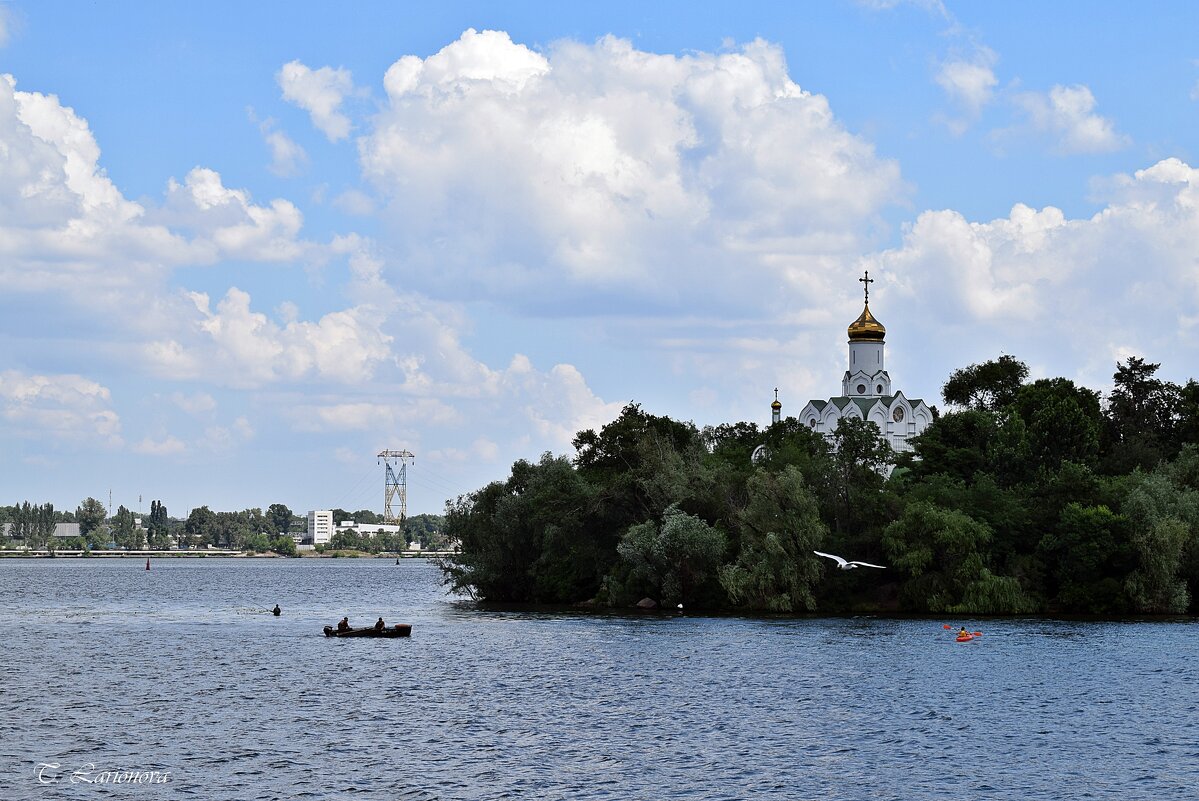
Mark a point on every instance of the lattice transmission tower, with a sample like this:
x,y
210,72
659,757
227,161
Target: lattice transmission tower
x,y
395,484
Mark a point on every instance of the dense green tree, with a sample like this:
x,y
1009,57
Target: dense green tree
x,y
942,553
1142,414
124,532
779,527
529,538
90,514
859,458
674,559
44,522
1090,554
1156,586
1163,513
201,527
284,545
958,444
1063,421
426,529
1187,430
158,531
988,387
279,517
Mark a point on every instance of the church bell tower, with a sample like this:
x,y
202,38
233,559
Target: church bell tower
x,y
866,376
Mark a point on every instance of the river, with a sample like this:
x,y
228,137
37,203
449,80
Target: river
x,y
181,670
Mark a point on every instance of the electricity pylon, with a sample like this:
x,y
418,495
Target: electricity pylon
x,y
394,485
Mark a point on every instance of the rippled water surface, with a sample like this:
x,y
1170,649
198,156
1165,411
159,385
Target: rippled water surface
x,y
181,669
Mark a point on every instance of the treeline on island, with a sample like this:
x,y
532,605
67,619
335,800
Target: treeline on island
x,y
1027,497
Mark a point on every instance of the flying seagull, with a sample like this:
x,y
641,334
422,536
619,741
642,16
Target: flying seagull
x,y
841,563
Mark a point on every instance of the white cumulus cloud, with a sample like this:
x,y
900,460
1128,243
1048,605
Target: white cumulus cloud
x,y
970,85
167,446
287,157
591,172
1067,115
1076,291
63,407
234,345
320,92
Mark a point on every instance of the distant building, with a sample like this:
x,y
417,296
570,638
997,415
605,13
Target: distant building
x,y
866,392
320,526
65,530
368,529
61,530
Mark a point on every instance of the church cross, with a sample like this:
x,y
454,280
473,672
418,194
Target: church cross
x,y
776,393
866,282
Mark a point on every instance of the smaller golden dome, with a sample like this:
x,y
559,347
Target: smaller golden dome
x,y
866,328
776,404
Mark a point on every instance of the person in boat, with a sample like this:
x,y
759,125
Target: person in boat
x,y
963,632
343,624
379,624
276,611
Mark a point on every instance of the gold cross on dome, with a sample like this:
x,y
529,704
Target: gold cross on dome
x,y
866,282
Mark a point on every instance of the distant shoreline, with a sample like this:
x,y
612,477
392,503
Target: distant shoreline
x,y
215,553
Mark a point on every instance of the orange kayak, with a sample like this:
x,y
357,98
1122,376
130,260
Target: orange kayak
x,y
967,638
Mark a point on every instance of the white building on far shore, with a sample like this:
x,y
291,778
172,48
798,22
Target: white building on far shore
x,y
320,526
368,529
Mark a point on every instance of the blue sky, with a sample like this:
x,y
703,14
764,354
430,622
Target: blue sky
x,y
244,247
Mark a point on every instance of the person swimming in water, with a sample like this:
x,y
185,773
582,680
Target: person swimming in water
x,y
276,611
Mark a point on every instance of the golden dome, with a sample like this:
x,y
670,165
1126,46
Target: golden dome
x,y
866,328
776,404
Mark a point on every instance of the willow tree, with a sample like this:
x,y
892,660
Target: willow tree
x,y
780,526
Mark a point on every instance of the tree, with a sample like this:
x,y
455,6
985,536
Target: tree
x,y
1163,513
532,538
284,545
1089,555
1187,430
958,444
1063,421
780,526
943,553
90,514
989,386
1142,414
674,558
201,527
43,522
1155,586
125,534
158,533
859,456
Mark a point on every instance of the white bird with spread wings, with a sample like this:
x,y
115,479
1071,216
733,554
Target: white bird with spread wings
x,y
842,564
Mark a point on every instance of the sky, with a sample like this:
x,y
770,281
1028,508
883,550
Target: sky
x,y
244,247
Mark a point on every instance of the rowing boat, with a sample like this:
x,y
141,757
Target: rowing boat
x,y
398,630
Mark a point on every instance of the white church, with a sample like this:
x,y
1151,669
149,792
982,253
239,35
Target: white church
x,y
866,391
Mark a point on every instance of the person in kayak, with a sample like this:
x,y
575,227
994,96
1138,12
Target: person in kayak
x,y
963,632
